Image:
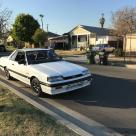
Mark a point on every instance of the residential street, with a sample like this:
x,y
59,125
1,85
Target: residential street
x,y
111,100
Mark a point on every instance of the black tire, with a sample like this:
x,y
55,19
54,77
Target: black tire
x,y
35,84
7,74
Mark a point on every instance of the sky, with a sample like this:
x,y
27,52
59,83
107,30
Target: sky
x,y
64,15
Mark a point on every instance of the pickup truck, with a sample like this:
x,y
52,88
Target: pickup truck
x,y
103,47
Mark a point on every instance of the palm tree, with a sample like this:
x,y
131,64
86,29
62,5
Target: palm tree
x,y
102,20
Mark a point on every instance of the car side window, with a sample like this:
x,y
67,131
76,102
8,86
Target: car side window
x,y
20,56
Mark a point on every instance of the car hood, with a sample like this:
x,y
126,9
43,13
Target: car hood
x,y
62,68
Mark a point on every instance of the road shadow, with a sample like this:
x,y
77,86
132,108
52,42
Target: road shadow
x,y
122,63
105,92
126,131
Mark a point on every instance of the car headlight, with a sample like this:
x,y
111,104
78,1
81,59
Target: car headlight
x,y
86,72
54,78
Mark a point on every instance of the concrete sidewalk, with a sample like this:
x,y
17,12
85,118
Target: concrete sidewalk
x,y
113,61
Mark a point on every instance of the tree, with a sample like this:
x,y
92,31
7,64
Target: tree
x,y
40,37
102,21
24,28
4,23
124,22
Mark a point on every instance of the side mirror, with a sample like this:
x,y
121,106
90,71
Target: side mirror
x,y
22,62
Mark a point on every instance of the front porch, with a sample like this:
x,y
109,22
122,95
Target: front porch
x,y
78,41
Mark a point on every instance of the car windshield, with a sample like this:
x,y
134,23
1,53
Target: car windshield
x,y
41,56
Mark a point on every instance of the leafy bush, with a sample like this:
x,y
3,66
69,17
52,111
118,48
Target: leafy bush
x,y
40,37
119,52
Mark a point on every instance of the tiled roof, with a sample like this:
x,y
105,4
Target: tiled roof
x,y
98,30
50,34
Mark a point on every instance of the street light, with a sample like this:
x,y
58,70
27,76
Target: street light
x,y
41,16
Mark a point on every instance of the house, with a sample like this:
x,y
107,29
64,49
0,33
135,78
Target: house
x,y
85,36
60,42
11,41
130,44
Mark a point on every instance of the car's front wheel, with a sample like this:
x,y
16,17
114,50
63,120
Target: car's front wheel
x,y
35,84
7,74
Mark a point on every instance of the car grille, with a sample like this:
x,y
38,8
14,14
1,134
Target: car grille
x,y
71,77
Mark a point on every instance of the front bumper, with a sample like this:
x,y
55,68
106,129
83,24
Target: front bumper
x,y
67,86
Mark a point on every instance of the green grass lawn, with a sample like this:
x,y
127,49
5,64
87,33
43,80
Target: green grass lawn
x,y
18,118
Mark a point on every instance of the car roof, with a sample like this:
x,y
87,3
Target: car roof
x,y
32,49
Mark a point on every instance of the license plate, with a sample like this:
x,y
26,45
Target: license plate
x,y
74,85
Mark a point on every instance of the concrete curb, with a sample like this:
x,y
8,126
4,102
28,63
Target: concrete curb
x,y
59,119
129,66
97,128
82,59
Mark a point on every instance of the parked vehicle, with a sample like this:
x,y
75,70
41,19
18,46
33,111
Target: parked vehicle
x,y
103,47
2,48
45,71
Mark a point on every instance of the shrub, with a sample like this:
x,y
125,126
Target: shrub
x,y
90,46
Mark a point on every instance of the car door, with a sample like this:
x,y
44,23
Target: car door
x,y
19,67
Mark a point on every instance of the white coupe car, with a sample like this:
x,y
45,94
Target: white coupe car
x,y
45,71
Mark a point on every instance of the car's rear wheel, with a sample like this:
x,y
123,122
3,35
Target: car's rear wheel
x,y
35,84
7,74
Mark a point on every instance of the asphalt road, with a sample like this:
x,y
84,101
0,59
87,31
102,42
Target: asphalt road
x,y
111,100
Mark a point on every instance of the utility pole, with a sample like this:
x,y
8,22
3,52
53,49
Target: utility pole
x,y
41,16
49,42
47,28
